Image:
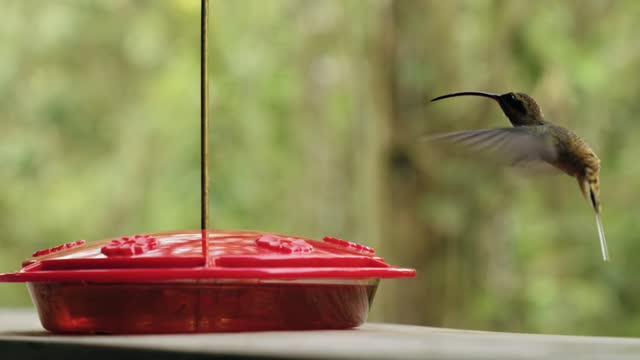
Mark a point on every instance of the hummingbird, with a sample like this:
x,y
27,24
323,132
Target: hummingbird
x,y
532,141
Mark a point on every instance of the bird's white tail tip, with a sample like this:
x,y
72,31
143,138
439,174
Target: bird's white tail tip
x,y
603,240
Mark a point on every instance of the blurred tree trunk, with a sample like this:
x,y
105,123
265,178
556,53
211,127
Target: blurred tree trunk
x,y
402,187
437,295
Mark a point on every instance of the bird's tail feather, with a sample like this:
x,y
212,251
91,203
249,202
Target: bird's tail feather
x,y
603,240
596,207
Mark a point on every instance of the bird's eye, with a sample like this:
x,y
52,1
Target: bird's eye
x,y
517,103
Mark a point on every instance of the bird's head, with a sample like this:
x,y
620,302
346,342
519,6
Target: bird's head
x,y
520,108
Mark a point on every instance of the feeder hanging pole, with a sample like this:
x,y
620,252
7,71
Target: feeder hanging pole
x,y
204,125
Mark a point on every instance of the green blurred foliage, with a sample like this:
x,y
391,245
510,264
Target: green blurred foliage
x,y
316,108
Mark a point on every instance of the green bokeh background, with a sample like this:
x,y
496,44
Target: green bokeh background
x,y
316,108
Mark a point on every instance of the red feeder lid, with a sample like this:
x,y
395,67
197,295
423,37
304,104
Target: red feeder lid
x,y
231,255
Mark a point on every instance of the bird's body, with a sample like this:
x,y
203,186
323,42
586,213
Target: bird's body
x,y
533,139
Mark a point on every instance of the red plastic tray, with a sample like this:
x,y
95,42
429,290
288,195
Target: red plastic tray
x,y
162,283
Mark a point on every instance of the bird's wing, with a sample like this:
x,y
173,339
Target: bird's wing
x,y
522,146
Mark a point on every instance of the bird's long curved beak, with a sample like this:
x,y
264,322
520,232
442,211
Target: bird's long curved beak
x,y
471,93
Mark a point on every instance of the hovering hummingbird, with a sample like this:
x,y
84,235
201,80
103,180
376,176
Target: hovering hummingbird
x,y
533,140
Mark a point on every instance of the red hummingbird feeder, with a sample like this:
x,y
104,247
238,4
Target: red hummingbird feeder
x,y
162,283
203,280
